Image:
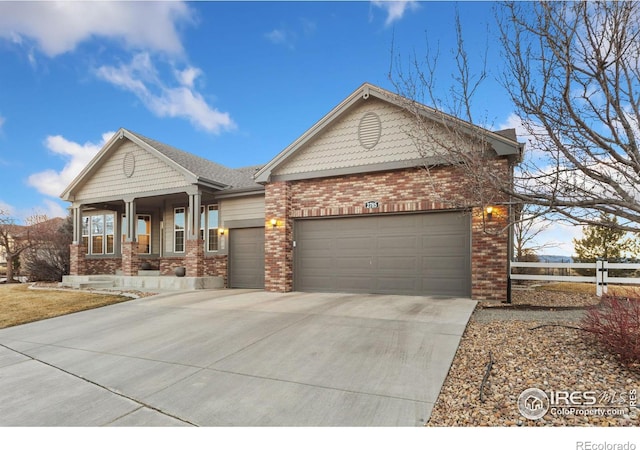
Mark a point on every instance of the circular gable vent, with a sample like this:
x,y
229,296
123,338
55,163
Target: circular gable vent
x,y
129,164
369,130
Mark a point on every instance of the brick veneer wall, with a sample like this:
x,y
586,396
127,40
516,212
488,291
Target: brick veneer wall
x,y
194,257
216,266
102,266
168,264
77,258
130,259
406,190
278,247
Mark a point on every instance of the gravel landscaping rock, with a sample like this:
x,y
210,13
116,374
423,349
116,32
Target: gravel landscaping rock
x,y
551,358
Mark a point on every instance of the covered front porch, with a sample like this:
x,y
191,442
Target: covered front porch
x,y
145,212
139,242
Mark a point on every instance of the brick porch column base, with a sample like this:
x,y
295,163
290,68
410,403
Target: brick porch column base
x,y
194,257
77,263
130,259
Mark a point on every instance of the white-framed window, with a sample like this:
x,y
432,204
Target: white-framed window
x,y
143,232
202,223
179,222
97,233
85,232
212,228
109,232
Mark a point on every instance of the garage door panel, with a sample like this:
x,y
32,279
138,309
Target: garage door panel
x,y
318,263
396,263
395,243
246,258
415,254
354,264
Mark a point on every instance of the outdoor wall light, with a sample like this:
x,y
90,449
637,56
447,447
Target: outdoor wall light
x,y
221,231
274,222
489,211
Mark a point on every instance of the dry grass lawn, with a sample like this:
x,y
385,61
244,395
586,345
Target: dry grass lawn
x,y
19,304
590,288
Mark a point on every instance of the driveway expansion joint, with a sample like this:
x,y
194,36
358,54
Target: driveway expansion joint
x,y
119,394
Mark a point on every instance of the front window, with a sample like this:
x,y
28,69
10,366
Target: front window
x,y
109,230
179,230
212,228
97,233
202,223
143,232
85,232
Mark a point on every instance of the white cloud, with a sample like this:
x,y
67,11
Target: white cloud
x,y
53,209
58,27
141,78
561,234
50,208
187,76
395,9
281,36
77,156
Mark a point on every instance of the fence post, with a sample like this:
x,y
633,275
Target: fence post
x,y
599,278
605,277
602,277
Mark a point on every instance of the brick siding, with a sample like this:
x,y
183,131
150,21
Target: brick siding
x,y
399,191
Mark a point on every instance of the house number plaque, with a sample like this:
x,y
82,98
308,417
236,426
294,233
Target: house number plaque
x,y
372,204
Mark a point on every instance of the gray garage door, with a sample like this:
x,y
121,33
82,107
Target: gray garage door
x,y
414,254
246,258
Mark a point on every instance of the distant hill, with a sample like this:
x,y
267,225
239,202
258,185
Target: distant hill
x,y
555,258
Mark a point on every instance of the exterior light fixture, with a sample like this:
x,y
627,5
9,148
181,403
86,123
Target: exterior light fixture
x,y
221,231
489,211
274,222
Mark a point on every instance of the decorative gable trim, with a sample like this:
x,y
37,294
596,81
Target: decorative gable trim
x,y
502,145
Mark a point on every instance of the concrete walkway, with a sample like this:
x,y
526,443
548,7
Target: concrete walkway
x,y
233,358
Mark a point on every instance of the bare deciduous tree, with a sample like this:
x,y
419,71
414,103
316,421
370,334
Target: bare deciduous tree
x,y
49,259
572,70
16,239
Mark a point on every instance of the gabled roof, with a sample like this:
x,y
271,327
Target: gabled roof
x,y
503,143
197,170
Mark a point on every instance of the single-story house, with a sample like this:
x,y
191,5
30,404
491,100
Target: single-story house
x,y
346,207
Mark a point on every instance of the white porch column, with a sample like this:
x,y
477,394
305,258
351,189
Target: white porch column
x,y
77,224
131,219
195,202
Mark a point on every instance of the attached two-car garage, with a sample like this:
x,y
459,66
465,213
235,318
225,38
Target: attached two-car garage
x,y
414,254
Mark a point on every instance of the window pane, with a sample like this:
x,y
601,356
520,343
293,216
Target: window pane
x,y
179,241
85,226
213,216
110,243
179,219
213,240
108,224
144,225
85,242
96,245
178,225
212,221
97,225
144,246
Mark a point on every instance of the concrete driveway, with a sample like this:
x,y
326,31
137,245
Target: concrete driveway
x,y
233,358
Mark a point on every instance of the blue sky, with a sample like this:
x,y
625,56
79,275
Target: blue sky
x,y
234,82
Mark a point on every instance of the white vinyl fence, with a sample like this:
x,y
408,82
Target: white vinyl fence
x,y
601,278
